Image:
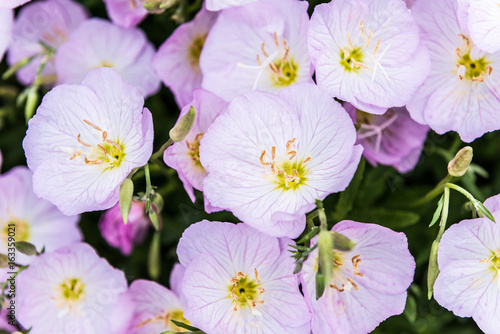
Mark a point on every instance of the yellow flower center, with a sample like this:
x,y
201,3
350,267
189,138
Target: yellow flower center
x,y
245,292
474,70
493,261
72,290
107,154
289,172
165,318
194,51
194,150
16,228
344,275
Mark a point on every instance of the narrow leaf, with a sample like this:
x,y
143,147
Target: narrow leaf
x,y
185,326
154,264
437,213
483,210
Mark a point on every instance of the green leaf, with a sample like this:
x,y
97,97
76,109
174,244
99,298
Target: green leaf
x,y
126,194
437,213
26,248
433,269
347,197
154,262
393,219
410,311
483,210
185,326
153,216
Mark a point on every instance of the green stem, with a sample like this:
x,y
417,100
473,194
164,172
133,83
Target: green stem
x,y
310,219
162,149
433,193
322,216
461,190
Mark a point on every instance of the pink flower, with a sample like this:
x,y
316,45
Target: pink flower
x,y
392,138
469,265
155,305
259,46
39,26
269,157
460,93
238,279
122,236
368,283
85,139
68,290
215,5
177,61
31,218
98,43
184,156
367,52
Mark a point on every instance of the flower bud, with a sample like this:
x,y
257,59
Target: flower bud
x,y
126,193
183,126
26,248
458,166
325,262
341,242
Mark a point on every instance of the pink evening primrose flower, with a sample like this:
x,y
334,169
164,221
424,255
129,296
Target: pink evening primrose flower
x,y
85,139
268,157
367,52
12,3
215,5
122,236
126,13
184,156
98,43
30,218
259,46
39,29
6,23
368,283
469,265
392,139
239,280
156,306
68,291
177,62
460,94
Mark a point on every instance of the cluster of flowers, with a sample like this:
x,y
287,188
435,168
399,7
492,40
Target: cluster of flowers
x,y
267,143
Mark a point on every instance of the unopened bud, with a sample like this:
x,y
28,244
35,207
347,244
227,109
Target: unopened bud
x,y
126,193
183,126
325,262
26,248
341,242
154,6
458,166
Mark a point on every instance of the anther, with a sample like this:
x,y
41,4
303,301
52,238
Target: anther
x,y
259,61
262,162
306,160
490,69
274,68
370,34
333,286
113,143
353,284
337,263
273,152
261,290
276,40
291,155
103,149
82,142
263,47
376,47
76,154
350,42
362,28
93,125
257,276
104,135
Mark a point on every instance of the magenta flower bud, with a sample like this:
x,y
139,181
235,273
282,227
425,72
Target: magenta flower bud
x,y
122,236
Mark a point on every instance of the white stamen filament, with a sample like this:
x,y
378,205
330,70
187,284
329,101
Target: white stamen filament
x,y
377,63
265,64
375,130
